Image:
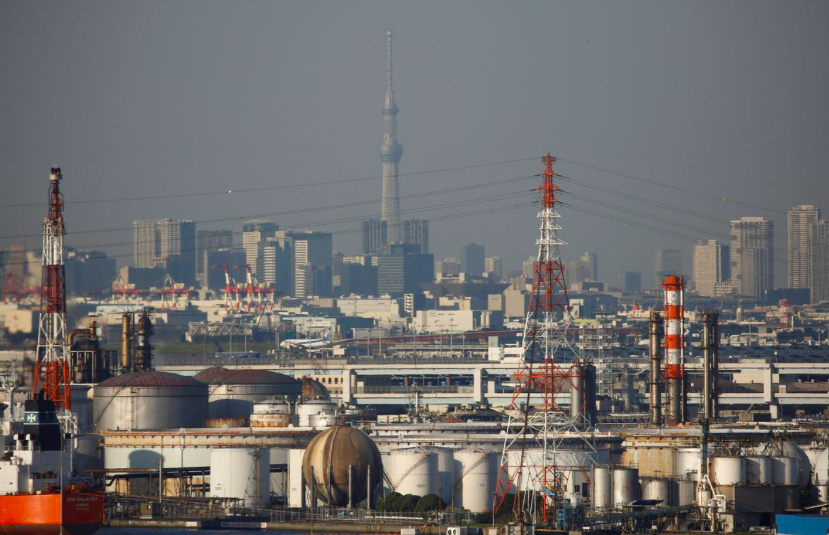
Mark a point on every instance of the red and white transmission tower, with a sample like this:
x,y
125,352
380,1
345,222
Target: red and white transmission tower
x,y
52,370
531,471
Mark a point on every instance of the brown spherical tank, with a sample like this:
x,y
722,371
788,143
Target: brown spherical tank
x,y
313,389
330,455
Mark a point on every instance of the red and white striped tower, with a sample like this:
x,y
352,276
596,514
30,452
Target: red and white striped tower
x,y
52,369
674,346
530,470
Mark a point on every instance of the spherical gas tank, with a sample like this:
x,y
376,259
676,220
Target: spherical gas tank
x,y
332,455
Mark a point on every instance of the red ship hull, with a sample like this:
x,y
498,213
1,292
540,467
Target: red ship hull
x,y
40,514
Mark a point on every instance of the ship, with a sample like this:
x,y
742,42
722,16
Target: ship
x,y
38,494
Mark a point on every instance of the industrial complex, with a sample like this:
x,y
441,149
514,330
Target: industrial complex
x,y
279,385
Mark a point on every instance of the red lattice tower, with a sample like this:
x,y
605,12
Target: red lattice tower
x,y
52,370
530,471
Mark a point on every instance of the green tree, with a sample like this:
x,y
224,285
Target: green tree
x,y
430,502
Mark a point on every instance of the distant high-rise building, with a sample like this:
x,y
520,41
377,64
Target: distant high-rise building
x,y
156,240
819,257
211,240
528,268
800,219
374,236
577,271
633,282
752,256
448,268
88,272
214,279
416,232
313,263
472,260
668,262
253,232
403,270
708,270
593,260
494,267
390,153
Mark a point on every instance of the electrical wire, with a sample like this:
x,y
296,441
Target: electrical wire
x,y
231,191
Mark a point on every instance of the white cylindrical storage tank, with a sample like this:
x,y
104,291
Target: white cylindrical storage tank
x,y
758,470
602,489
476,479
242,473
149,400
728,470
234,392
656,488
804,463
687,463
625,486
446,473
686,491
414,471
785,471
308,412
272,412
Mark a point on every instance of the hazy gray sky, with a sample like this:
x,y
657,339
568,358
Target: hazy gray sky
x,y
158,98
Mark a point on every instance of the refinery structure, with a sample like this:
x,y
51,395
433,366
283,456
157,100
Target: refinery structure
x,y
280,385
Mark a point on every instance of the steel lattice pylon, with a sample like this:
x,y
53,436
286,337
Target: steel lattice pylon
x,y
531,462
52,369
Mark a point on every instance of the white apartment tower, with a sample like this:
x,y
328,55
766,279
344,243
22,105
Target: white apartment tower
x,y
708,267
801,218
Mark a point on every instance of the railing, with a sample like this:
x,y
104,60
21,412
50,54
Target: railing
x,y
420,361
130,507
390,389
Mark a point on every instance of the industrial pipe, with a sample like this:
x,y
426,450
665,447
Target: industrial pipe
x,y
126,345
655,346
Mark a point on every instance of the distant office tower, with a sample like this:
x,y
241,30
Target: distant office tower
x,y
253,232
593,261
155,241
403,270
494,267
633,282
819,242
88,272
448,267
390,153
416,232
577,271
275,263
668,262
472,260
709,260
374,236
211,240
801,218
313,263
752,256
358,276
528,268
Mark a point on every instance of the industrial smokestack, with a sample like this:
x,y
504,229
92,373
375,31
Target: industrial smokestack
x,y
710,364
655,346
674,348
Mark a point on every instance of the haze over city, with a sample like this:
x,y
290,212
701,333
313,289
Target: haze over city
x,y
727,100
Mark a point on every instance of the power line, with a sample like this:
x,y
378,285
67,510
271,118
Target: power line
x,y
671,186
231,191
245,217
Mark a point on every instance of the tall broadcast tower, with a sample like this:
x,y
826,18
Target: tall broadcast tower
x,y
390,153
52,371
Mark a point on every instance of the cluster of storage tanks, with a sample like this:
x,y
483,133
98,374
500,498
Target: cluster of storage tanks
x,y
160,400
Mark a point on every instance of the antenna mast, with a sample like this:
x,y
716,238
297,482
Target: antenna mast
x,y
52,370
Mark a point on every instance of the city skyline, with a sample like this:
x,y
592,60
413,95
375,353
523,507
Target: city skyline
x,y
436,112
